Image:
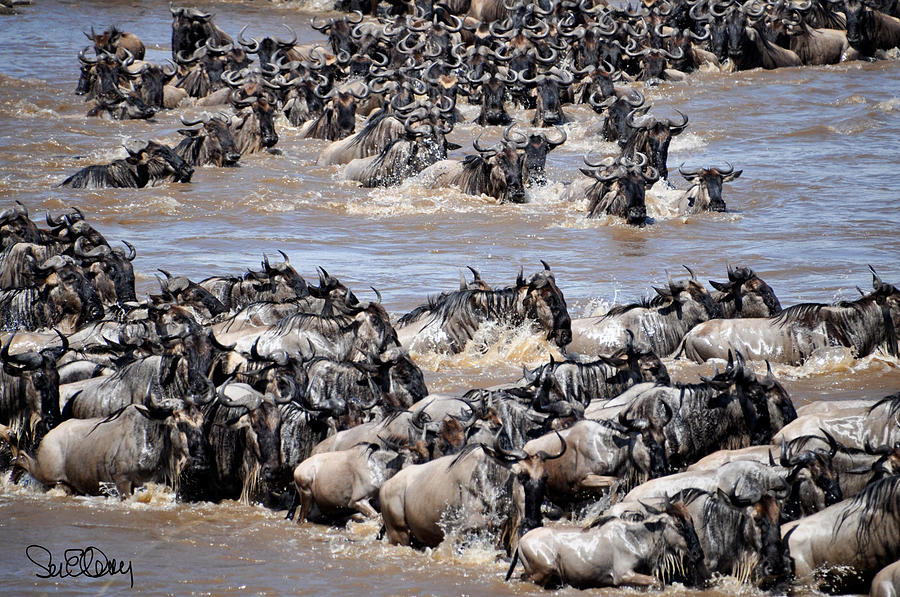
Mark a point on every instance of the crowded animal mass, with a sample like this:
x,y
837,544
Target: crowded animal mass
x,y
312,279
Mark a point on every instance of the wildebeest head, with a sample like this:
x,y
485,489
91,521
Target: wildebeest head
x,y
279,280
338,32
212,143
736,29
686,294
264,111
813,480
120,106
260,419
774,563
401,378
40,391
161,162
152,80
745,295
859,26
189,423
505,166
541,300
677,529
16,226
620,189
617,109
887,297
492,91
531,474
68,295
708,181
266,49
192,29
645,362
185,292
649,453
652,137
110,270
548,109
536,150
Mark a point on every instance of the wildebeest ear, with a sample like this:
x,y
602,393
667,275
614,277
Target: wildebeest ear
x,y
721,286
452,146
189,132
663,292
732,176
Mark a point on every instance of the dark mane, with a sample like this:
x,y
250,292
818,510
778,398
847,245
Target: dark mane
x,y
421,310
892,402
805,313
877,503
475,177
308,321
642,303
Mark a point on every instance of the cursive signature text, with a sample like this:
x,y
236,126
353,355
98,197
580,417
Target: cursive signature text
x,y
89,561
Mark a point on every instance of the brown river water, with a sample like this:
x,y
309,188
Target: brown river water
x,y
817,202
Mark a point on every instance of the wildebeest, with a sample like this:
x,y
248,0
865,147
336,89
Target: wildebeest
x,y
420,146
854,426
377,133
244,432
192,29
120,106
745,295
791,336
537,146
870,30
651,136
338,482
748,47
705,193
116,41
547,88
732,409
616,552
63,298
491,92
127,448
462,491
338,120
157,382
496,171
859,536
738,537
147,164
29,392
602,378
455,316
152,86
253,127
601,454
620,187
816,46
109,270
656,325
276,283
211,144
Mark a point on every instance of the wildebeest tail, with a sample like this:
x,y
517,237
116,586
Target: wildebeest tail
x,y
678,351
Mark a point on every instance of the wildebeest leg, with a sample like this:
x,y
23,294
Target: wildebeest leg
x,y
636,578
365,508
306,503
295,501
124,488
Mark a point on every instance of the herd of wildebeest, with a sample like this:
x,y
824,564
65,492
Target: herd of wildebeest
x,y
406,71
265,388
